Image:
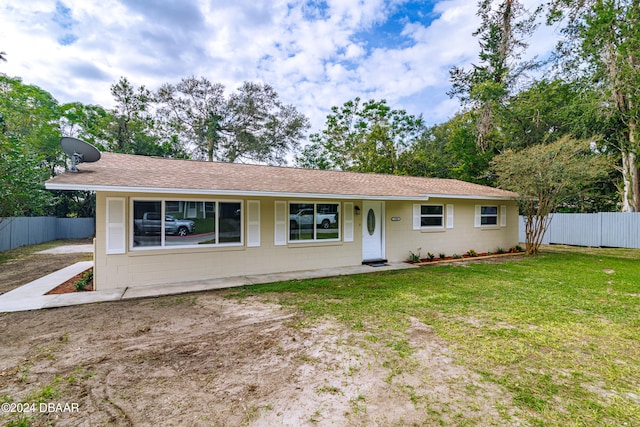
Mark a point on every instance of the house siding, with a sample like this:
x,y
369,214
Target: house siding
x,y
142,267
401,238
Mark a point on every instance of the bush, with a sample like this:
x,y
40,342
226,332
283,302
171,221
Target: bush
x,y
414,257
85,281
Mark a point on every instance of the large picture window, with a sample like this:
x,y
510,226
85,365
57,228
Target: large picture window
x,y
171,223
314,221
431,216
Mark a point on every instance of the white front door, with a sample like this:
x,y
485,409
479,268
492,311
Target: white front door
x,y
372,231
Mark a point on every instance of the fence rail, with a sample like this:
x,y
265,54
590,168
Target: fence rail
x,y
21,231
610,229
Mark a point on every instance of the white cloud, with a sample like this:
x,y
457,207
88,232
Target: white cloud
x,y
315,54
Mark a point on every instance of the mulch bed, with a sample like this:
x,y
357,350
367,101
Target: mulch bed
x,y
478,257
69,286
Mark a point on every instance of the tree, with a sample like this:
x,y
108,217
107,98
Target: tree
x,y
448,150
133,126
21,181
548,110
250,125
86,122
72,204
313,156
132,120
486,86
601,41
30,118
364,137
545,176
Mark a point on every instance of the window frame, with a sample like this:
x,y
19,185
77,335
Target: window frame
x,y
441,216
315,226
496,215
163,213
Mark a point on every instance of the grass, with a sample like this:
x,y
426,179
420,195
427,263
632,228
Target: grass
x,y
25,251
559,332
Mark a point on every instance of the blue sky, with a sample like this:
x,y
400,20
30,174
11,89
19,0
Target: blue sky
x,y
316,54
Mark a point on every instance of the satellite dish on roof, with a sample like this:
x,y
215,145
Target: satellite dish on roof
x,y
79,151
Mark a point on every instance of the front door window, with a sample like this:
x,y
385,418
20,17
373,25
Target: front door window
x,y
371,222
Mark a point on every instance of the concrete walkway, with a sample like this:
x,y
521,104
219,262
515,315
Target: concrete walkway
x,y
68,249
31,296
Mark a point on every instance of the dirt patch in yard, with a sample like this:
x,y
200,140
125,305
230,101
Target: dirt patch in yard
x,y
28,266
204,359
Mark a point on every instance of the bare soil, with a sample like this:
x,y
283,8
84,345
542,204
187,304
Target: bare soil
x,y
204,359
28,267
207,359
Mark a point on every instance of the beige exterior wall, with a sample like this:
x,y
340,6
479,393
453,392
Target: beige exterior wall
x,y
140,267
401,238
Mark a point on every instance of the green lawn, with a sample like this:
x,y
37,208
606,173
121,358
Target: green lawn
x,y
559,332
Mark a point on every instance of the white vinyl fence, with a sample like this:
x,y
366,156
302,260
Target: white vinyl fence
x,y
610,229
22,231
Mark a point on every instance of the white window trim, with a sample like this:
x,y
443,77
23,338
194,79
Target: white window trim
x,y
478,216
163,201
315,231
417,217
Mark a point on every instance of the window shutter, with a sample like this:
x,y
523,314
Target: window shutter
x,y
503,216
478,222
116,225
416,216
253,223
347,214
280,229
449,216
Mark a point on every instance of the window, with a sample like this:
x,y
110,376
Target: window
x,y
488,215
189,225
230,223
172,207
313,221
431,216
171,223
147,223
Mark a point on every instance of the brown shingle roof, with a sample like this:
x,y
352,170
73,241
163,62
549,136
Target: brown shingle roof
x,y
123,172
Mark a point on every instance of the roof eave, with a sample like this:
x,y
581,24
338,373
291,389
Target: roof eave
x,y
215,192
256,193
470,197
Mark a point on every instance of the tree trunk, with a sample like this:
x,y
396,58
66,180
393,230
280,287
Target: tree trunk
x,y
536,226
630,173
